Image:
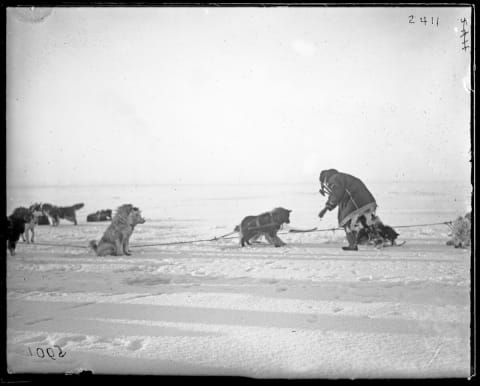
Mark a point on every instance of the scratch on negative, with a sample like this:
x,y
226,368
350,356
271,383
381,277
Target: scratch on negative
x,y
439,347
465,85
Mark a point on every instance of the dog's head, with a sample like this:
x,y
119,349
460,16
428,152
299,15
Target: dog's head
x,y
130,214
46,207
23,214
387,232
36,211
135,216
36,207
281,215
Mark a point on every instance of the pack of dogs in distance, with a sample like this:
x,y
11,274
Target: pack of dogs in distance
x,y
115,240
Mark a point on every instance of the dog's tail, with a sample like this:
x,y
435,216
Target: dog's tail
x,y
93,245
78,206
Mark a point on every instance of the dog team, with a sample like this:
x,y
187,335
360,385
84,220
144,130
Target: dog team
x,y
356,215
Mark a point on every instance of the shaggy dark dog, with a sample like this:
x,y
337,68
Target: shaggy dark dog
x,y
377,234
100,215
15,228
387,233
55,213
30,217
267,224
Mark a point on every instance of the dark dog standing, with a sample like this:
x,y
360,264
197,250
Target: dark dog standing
x,y
268,224
15,228
30,218
61,212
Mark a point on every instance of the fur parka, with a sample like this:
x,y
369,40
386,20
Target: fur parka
x,y
348,193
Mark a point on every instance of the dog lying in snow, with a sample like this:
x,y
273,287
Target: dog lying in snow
x,y
377,234
100,215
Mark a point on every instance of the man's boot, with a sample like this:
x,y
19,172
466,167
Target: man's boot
x,y
352,242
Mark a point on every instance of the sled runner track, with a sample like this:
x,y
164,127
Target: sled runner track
x,y
228,236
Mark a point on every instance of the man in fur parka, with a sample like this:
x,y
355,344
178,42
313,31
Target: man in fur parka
x,y
356,205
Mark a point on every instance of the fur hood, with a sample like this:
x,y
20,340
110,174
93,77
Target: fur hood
x,y
326,174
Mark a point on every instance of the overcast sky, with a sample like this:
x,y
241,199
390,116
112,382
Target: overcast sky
x,y
236,95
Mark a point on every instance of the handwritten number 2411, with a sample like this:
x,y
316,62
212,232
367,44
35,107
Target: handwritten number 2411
x,y
425,20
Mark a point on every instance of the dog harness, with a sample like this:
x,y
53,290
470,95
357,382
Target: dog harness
x,y
261,226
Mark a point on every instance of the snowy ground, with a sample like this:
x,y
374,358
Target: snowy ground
x,y
307,310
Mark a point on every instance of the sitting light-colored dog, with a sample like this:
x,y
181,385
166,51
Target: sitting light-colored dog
x,y
115,240
461,231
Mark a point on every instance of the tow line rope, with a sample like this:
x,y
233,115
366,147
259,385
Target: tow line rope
x,y
58,245
448,223
225,236
216,238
